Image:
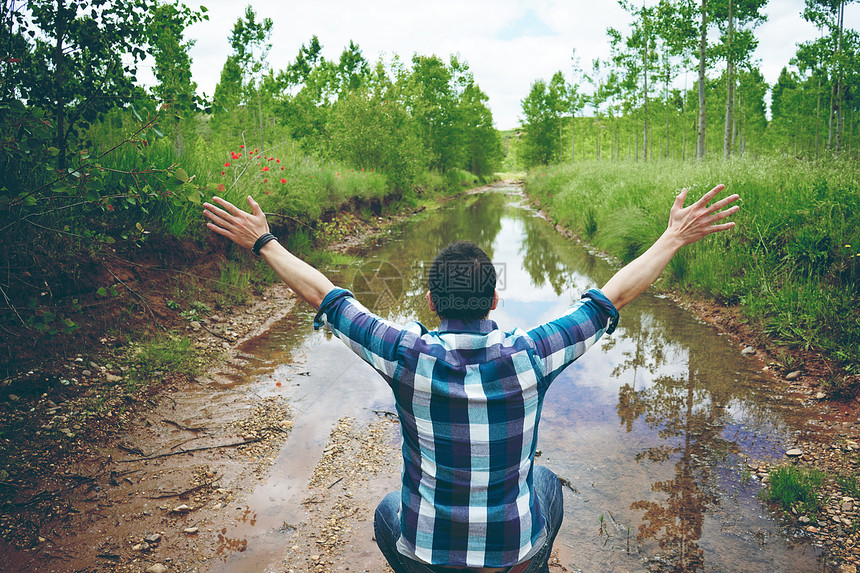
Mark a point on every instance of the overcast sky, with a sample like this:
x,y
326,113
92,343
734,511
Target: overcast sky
x,y
508,44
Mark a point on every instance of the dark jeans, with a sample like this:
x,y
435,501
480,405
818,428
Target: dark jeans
x,y
386,527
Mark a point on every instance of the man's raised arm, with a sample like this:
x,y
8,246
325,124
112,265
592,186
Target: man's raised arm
x,y
686,225
245,229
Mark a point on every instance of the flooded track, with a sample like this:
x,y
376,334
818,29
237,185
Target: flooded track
x,y
655,427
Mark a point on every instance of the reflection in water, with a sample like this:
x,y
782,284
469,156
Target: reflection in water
x,y
676,522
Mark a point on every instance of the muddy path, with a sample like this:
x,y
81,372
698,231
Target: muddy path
x,y
275,458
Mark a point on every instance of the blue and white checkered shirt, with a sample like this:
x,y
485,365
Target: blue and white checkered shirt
x,y
469,397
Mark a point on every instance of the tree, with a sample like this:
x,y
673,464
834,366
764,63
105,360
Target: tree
x,y
542,110
74,65
172,62
352,69
251,43
736,19
635,55
575,101
482,142
830,15
432,101
228,93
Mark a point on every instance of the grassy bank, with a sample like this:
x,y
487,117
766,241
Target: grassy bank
x,y
114,254
792,264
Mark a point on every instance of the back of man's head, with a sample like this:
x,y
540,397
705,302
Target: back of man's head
x,y
462,282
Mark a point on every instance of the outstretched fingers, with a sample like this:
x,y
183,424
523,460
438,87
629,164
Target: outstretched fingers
x,y
719,205
217,215
707,197
234,210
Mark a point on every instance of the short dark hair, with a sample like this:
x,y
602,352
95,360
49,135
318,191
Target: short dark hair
x,y
462,282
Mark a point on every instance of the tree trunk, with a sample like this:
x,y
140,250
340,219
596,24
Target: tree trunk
x,y
645,120
839,86
703,46
730,85
573,137
818,116
60,107
260,112
831,116
668,79
736,121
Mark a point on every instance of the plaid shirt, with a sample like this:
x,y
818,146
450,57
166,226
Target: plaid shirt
x,y
469,398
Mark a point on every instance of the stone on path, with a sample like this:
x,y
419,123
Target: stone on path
x,y
794,452
748,351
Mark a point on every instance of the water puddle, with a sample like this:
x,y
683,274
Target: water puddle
x,y
653,428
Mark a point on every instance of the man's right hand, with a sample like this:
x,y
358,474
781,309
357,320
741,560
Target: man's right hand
x,y
239,226
686,225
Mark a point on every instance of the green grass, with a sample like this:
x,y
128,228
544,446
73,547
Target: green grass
x,y
167,353
798,488
849,485
792,262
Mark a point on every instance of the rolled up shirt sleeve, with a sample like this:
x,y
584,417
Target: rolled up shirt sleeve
x,y
560,342
374,339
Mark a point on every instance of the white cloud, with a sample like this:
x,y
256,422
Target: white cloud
x,y
482,32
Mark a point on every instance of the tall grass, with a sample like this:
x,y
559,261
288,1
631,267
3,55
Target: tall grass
x,y
792,262
283,180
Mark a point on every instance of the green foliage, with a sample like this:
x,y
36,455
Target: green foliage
x,y
542,111
798,488
849,484
172,69
233,283
72,67
791,262
165,353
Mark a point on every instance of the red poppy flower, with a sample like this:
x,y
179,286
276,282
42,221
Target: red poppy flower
x,y
277,160
223,172
227,164
271,158
282,168
241,147
110,207
283,180
234,155
266,168
266,192
255,150
362,168
265,181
